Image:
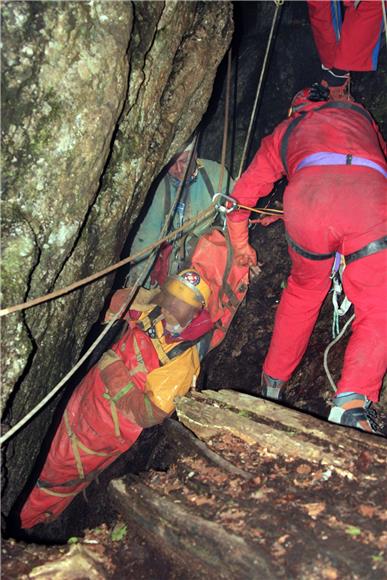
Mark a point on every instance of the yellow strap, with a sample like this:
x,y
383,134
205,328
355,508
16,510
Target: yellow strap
x,y
162,355
90,451
107,359
57,493
116,423
74,445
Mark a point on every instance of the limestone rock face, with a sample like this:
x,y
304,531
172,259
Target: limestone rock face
x,y
97,97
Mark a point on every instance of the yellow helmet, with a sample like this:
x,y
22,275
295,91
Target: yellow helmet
x,y
189,286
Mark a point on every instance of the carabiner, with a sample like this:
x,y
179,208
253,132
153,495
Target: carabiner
x,y
222,208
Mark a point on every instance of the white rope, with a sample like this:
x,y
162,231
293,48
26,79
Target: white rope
x,y
62,382
328,348
138,282
252,118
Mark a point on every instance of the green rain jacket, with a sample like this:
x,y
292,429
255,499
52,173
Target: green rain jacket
x,y
196,198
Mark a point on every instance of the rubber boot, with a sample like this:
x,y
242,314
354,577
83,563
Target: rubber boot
x,y
271,388
354,410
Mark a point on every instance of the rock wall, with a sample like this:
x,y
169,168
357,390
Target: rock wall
x,y
97,97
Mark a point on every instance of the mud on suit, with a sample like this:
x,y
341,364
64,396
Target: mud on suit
x,y
132,387
351,43
196,197
329,206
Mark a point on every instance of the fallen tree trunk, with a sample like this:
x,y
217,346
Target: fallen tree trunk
x,y
269,493
174,528
278,429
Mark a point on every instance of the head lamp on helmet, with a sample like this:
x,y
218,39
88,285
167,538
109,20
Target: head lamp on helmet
x,y
189,287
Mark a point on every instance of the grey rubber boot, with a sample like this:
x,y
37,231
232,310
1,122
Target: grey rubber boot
x,y
270,387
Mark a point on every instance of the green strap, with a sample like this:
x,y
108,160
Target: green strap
x,y
120,393
148,406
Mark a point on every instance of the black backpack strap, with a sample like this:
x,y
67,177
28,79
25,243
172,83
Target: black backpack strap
x,y
348,107
182,347
167,195
285,139
207,181
149,320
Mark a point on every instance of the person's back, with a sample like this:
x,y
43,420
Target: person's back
x,y
334,128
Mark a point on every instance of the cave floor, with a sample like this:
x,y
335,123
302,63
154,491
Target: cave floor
x,y
339,514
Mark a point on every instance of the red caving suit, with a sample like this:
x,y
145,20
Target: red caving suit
x,y
327,208
354,44
110,407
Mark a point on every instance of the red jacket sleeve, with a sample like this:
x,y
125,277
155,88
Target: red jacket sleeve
x,y
265,169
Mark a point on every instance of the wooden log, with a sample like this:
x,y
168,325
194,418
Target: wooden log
x,y
168,525
278,429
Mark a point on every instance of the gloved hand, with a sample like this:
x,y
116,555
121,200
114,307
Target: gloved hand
x,y
244,254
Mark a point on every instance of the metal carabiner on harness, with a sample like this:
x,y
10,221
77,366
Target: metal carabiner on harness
x,y
222,208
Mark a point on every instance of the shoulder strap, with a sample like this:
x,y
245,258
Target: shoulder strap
x,y
297,120
285,139
182,347
167,195
207,181
149,320
347,106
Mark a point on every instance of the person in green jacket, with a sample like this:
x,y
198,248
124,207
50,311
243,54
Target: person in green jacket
x,y
202,182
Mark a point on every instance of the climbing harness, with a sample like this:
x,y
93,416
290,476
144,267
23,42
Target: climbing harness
x,y
339,308
372,248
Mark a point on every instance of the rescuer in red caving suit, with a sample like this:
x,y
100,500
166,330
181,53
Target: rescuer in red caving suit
x,y
334,158
346,42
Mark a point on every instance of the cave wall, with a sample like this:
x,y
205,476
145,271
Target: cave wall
x,y
97,97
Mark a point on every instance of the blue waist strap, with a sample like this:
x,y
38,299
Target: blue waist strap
x,y
327,158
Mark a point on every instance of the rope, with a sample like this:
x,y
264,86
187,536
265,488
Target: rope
x,y
264,210
60,292
328,348
53,392
138,281
169,216
278,5
226,121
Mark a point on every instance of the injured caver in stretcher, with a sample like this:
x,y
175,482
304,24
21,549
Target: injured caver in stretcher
x,y
132,387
